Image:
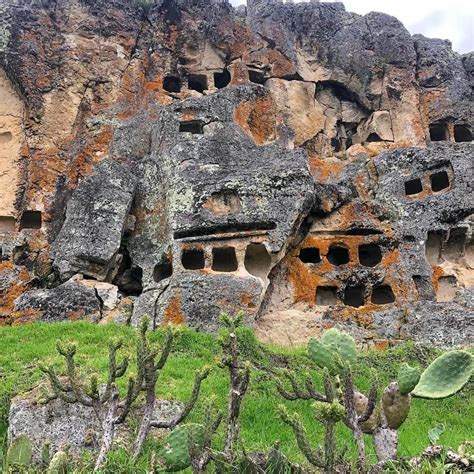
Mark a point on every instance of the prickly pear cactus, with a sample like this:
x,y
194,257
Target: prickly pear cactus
x,y
395,406
407,378
341,343
19,452
445,376
59,463
174,454
323,356
360,404
332,349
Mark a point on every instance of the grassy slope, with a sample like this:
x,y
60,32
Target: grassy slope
x,y
22,348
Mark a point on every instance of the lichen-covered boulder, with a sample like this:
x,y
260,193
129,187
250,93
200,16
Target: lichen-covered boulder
x,y
60,424
96,215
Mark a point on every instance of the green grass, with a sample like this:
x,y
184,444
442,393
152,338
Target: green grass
x,y
23,348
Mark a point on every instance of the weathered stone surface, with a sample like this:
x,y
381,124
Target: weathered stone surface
x,y
442,324
96,215
62,424
279,158
71,300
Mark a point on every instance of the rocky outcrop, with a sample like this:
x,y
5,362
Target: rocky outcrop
x,y
96,217
186,158
70,300
59,424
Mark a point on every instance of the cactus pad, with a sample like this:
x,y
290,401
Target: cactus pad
x,y
323,356
19,452
407,378
59,463
333,347
341,343
174,454
395,406
360,404
445,376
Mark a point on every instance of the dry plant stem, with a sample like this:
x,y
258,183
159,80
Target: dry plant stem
x,y
330,443
239,380
352,419
108,428
151,373
201,458
372,400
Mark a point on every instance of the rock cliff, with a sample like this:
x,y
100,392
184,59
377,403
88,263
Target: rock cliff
x,y
177,158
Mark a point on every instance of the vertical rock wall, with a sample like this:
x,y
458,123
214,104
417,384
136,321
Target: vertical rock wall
x,y
181,158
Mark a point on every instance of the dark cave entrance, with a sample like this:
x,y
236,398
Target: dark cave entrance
x,y
310,255
224,259
354,296
193,259
338,255
326,295
382,294
413,186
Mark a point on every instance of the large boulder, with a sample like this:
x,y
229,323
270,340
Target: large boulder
x,y
62,424
96,216
69,301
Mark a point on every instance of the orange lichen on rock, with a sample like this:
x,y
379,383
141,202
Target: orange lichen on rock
x,y
94,151
325,169
15,289
258,119
438,272
173,313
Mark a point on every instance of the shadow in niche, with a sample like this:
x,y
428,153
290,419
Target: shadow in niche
x,y
433,246
227,228
172,84
370,255
439,181
354,296
373,137
439,132
310,255
222,79
256,76
197,82
326,295
196,127
413,186
129,278
338,255
224,259
382,294
31,220
162,271
462,133
193,259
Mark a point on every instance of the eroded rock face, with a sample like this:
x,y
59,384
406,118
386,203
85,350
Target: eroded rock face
x,y
96,217
281,159
60,424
